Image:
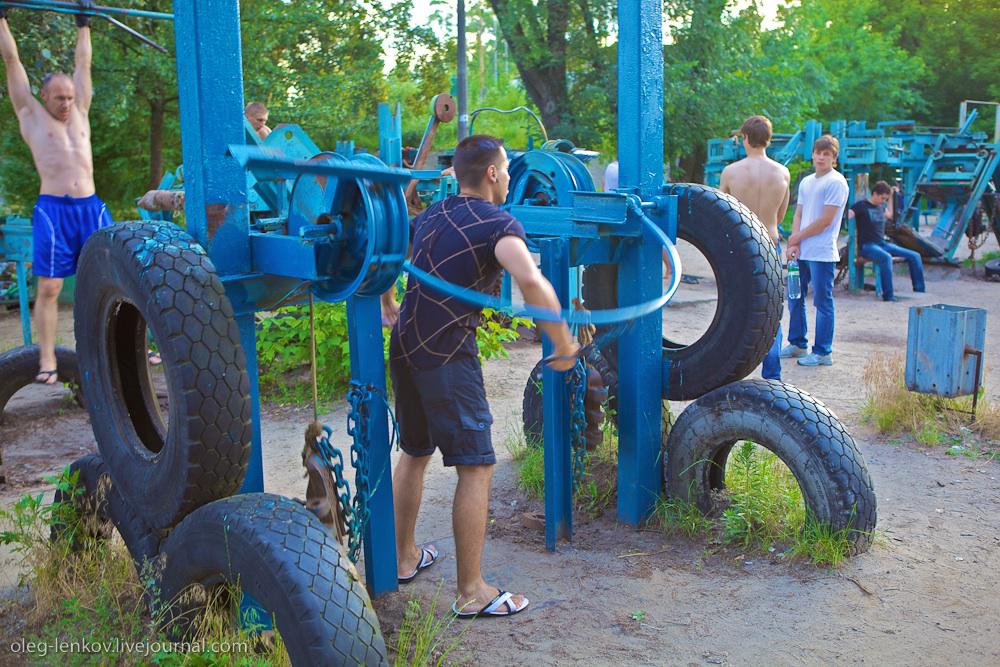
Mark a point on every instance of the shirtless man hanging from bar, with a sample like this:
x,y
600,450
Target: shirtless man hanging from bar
x,y
57,130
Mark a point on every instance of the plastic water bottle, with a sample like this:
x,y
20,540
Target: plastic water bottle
x,y
794,283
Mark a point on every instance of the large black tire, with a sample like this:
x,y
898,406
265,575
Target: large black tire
x,y
800,430
282,555
152,274
748,274
18,368
101,507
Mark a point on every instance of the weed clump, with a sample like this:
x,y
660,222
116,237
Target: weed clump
x,y
932,420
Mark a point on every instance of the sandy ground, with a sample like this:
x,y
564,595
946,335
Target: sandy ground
x,y
924,595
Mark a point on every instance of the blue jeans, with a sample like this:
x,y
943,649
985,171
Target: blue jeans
x,y
881,255
771,368
820,275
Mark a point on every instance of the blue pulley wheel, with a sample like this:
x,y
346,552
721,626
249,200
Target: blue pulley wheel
x,y
365,247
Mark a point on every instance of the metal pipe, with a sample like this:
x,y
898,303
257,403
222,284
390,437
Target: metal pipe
x,y
138,35
463,75
73,8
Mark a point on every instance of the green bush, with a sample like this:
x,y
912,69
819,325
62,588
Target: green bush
x,y
283,352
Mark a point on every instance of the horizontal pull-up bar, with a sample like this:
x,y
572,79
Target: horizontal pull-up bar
x,y
73,8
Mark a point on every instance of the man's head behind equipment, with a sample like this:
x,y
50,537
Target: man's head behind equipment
x,y
257,114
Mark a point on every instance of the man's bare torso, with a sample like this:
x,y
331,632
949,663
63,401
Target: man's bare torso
x,y
762,185
61,151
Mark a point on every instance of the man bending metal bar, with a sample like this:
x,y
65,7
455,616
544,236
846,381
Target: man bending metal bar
x,y
440,399
57,130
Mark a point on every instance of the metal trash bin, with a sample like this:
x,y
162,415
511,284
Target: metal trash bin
x,y
944,350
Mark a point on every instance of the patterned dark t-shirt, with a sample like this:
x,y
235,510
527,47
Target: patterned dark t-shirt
x,y
454,239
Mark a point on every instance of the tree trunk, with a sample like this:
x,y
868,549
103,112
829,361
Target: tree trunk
x,y
543,71
157,111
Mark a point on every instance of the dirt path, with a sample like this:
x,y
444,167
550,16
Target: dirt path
x,y
925,594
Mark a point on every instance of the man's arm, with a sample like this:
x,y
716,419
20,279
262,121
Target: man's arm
x,y
513,255
81,75
792,252
783,208
724,181
17,78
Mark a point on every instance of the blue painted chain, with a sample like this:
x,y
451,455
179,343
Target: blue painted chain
x,y
577,381
354,507
357,427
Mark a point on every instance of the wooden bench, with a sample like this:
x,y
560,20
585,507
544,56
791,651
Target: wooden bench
x,y
856,263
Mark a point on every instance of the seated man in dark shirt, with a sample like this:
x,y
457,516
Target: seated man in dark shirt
x,y
870,220
466,240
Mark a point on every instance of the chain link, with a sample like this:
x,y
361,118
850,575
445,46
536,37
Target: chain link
x,y
577,381
355,507
357,427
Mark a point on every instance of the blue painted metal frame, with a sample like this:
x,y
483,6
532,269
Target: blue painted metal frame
x,y
218,217
640,273
16,246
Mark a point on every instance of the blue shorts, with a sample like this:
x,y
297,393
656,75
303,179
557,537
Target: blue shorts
x,y
60,226
444,408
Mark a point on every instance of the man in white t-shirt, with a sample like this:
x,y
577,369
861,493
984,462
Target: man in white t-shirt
x,y
822,198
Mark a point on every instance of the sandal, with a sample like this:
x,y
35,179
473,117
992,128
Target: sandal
x,y
154,358
493,607
45,377
428,556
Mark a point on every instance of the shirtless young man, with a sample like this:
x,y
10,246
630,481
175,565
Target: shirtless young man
x,y
57,130
762,185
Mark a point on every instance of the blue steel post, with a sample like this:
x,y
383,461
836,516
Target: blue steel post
x,y
212,118
555,403
215,185
364,326
23,302
640,357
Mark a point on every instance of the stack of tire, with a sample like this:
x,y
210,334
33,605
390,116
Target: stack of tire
x,y
166,481
796,427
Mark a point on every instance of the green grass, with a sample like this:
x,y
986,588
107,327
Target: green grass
x,y
425,637
765,503
763,512
598,489
678,516
985,257
931,421
81,587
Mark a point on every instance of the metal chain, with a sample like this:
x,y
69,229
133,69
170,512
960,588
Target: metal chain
x,y
577,381
357,427
355,507
334,460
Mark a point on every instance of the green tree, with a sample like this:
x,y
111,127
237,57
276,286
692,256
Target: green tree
x,y
955,40
560,50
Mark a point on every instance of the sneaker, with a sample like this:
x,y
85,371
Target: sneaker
x,y
816,360
790,351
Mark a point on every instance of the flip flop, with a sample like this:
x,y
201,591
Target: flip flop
x,y
493,607
428,556
154,358
47,379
